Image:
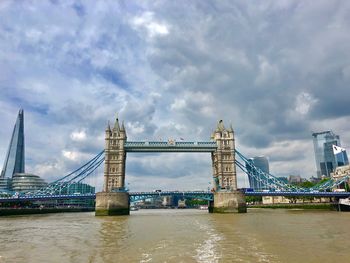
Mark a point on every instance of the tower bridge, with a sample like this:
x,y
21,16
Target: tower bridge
x,y
114,200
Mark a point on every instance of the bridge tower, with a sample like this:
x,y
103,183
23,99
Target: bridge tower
x,y
226,197
115,156
114,200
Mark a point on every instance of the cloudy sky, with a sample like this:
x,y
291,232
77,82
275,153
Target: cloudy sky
x,y
276,70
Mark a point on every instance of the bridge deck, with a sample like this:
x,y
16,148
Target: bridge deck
x,y
170,146
199,194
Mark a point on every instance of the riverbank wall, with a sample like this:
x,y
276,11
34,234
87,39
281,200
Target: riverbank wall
x,y
30,211
323,206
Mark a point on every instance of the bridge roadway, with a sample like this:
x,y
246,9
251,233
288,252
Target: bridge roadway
x,y
190,194
170,146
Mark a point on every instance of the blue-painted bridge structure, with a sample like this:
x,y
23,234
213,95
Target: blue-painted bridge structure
x,y
274,186
202,195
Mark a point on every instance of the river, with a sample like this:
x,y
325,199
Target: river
x,y
261,235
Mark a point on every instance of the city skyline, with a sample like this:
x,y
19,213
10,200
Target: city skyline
x,y
172,71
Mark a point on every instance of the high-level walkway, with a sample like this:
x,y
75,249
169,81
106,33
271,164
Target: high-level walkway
x,y
170,146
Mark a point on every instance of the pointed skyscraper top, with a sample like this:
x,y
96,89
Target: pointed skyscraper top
x,y
14,162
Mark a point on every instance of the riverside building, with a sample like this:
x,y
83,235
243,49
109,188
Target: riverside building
x,y
25,182
327,158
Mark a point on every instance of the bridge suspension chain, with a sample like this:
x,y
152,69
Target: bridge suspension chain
x,y
271,182
76,176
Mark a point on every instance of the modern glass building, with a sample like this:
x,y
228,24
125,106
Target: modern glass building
x,y
341,158
326,160
23,182
14,161
260,162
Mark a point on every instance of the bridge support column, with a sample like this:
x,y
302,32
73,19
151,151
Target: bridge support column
x,y
112,204
228,202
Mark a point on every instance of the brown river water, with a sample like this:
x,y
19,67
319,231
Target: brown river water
x,y
261,235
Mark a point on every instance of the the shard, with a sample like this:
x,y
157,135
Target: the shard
x,y
14,161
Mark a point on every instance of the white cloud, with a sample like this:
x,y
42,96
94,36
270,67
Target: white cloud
x,y
78,135
46,170
178,104
34,35
76,156
73,156
148,22
135,127
268,73
304,103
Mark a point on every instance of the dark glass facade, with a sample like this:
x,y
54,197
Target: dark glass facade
x,y
260,162
326,160
14,161
341,159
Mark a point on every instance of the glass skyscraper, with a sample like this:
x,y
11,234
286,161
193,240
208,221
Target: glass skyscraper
x,y
260,162
326,160
14,161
